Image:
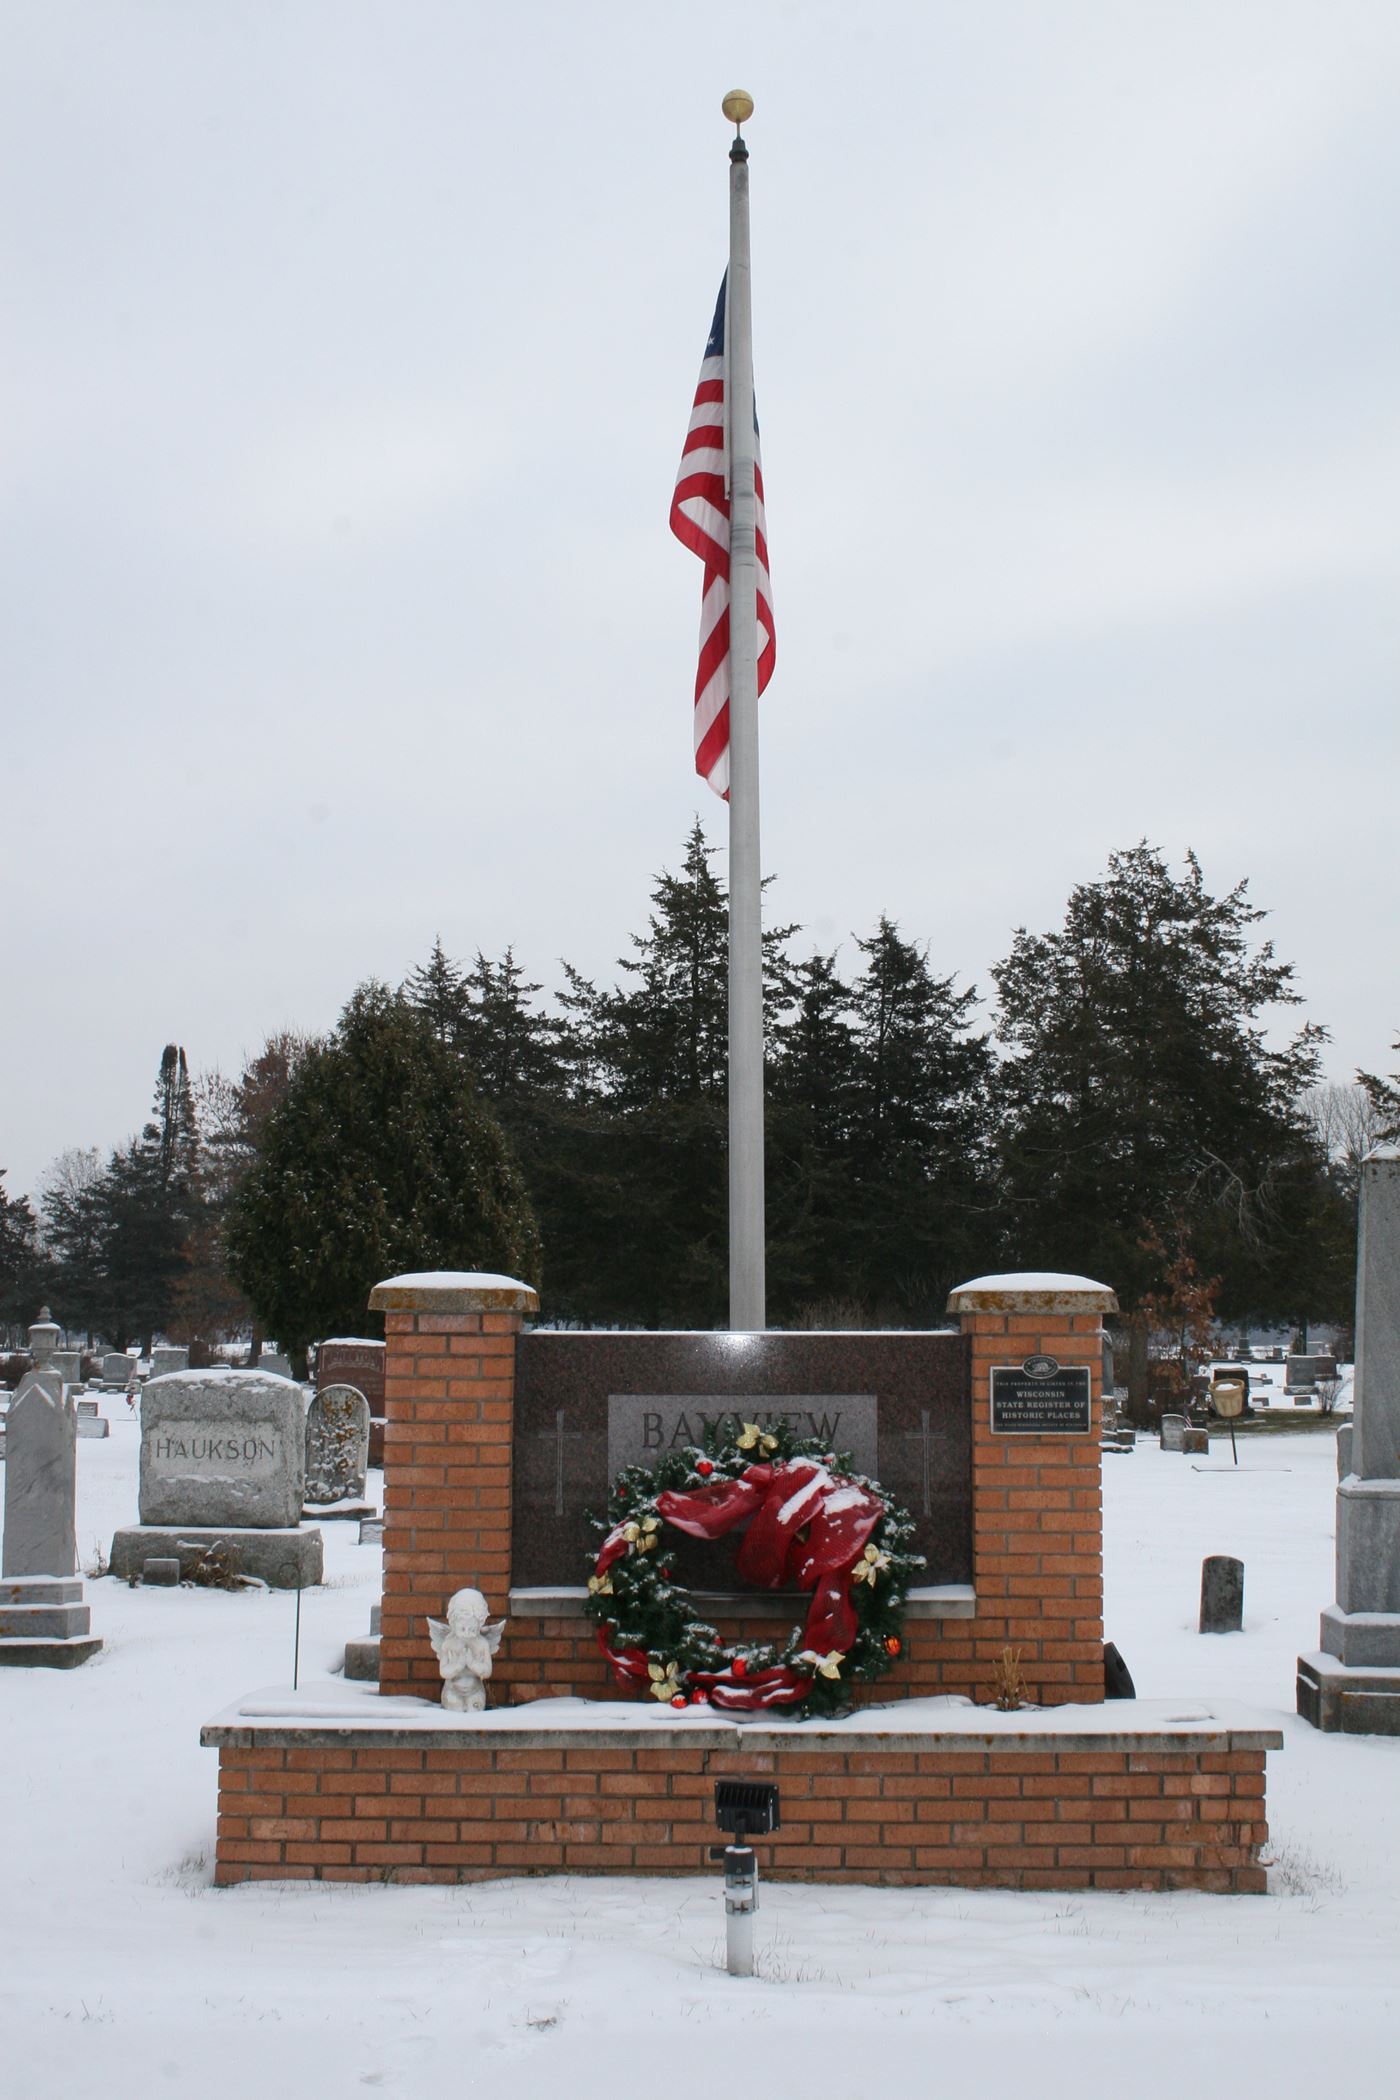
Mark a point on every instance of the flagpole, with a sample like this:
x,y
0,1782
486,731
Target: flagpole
x,y
747,1288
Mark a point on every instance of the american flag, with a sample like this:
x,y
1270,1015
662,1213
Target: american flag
x,y
700,521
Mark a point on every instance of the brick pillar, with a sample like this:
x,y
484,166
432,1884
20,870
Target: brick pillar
x,y
1037,1502
449,1395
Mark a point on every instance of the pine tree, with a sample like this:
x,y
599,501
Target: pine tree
x,y
380,1158
811,1101
1384,1097
919,1129
512,1046
70,1203
439,991
148,1204
19,1261
1138,1090
637,1198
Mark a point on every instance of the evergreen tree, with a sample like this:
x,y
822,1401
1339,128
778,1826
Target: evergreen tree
x,y
1384,1097
919,1128
148,1206
513,1048
1138,1092
380,1158
638,1199
71,1205
811,1104
438,990
19,1262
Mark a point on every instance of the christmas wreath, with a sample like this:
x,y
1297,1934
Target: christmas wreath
x,y
812,1524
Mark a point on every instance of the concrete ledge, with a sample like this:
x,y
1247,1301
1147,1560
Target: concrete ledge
x,y
1032,1292
1342,1700
341,1713
41,1589
284,1560
48,1655
1366,1640
453,1291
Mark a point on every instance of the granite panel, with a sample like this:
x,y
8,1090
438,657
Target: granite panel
x,y
921,1385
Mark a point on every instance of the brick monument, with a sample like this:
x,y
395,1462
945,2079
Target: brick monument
x,y
498,1440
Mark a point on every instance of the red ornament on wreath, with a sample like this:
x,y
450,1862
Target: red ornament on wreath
x,y
803,1525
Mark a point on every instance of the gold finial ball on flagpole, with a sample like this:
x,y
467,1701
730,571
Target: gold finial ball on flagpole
x,y
737,106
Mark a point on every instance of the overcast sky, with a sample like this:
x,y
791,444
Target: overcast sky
x,y
348,349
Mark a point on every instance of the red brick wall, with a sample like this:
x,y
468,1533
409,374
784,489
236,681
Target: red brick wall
x,y
322,1807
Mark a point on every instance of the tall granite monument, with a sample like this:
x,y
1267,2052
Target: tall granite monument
x,y
1353,1684
43,1619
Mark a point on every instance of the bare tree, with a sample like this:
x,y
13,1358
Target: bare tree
x,y
1347,1121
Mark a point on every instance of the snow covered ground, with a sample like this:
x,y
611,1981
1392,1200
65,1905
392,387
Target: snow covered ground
x,y
124,1975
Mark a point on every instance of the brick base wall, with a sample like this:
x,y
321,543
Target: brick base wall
x,y
1027,1813
559,1658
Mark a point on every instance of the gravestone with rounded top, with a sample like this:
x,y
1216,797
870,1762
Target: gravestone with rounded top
x,y
337,1444
1222,1594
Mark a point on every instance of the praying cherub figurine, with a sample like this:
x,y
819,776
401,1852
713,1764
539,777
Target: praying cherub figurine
x,y
464,1644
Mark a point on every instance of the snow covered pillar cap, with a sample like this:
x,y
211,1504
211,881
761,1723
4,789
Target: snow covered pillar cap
x,y
1034,1291
453,1291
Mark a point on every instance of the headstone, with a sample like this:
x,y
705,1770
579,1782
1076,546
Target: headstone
x,y
90,1422
1344,1451
371,1531
1353,1683
69,1365
222,1465
161,1572
118,1370
43,1620
1172,1431
167,1357
44,1338
271,1364
40,1478
1117,1677
1301,1373
352,1360
1222,1594
355,1360
587,1403
362,1656
1195,1443
337,1444
221,1447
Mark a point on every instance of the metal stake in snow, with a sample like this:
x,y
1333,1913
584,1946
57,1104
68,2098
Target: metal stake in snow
x,y
747,1282
743,1807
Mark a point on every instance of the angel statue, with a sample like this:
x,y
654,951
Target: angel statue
x,y
464,1644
